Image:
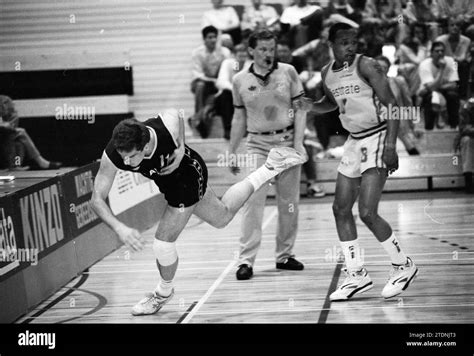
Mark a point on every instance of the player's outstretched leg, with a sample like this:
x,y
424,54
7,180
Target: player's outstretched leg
x,y
171,224
357,279
404,270
219,213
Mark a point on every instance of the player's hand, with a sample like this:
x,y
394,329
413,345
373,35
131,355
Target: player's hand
x,y
130,237
390,158
174,161
303,104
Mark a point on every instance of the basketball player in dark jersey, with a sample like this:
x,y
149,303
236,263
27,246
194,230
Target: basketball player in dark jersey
x,y
156,149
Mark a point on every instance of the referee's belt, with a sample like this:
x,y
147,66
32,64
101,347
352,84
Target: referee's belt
x,y
274,132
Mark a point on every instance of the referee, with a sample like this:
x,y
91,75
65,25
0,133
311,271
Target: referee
x,y
263,97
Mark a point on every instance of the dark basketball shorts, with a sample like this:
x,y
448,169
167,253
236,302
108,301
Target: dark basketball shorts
x,y
187,185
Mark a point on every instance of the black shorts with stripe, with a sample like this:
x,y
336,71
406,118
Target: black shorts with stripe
x,y
187,185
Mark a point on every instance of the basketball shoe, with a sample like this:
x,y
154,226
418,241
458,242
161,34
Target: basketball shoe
x,y
151,304
282,158
400,278
355,282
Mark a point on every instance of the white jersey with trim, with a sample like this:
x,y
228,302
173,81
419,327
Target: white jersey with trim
x,y
359,107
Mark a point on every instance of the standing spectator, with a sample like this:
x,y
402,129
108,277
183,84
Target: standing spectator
x,y
465,143
258,16
207,60
399,87
16,146
439,79
264,97
224,18
300,18
229,68
458,46
423,11
284,55
414,50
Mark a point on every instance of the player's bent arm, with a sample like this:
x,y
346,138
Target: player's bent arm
x,y
102,184
375,75
239,126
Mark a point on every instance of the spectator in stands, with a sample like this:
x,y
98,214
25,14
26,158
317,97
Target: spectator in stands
x,y
343,8
370,39
207,60
259,16
422,11
16,146
414,50
388,14
448,9
465,143
229,68
224,18
284,55
458,47
399,87
301,23
439,82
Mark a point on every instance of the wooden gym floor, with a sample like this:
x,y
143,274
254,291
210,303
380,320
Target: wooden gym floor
x,y
435,228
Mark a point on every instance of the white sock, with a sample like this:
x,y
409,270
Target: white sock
x,y
393,248
261,176
164,288
352,255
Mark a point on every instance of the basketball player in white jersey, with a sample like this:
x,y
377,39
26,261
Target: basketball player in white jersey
x,y
156,149
359,87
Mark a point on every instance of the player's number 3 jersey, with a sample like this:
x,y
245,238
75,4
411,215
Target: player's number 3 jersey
x,y
360,110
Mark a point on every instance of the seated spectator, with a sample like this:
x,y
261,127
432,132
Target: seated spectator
x,y
387,14
458,47
207,60
423,11
448,9
465,143
284,55
224,18
370,39
302,22
439,82
343,8
259,16
16,146
229,68
399,87
414,50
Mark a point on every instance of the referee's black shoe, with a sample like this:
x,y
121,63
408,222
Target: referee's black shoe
x,y
291,264
244,272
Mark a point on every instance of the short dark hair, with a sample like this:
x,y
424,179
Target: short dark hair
x,y
436,44
383,59
340,26
207,30
130,134
284,42
262,35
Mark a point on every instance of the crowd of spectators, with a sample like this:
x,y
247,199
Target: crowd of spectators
x,y
426,44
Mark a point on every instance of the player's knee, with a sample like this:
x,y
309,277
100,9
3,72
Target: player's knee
x,y
165,252
340,210
367,215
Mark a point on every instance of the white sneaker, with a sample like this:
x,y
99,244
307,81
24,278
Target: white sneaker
x,y
400,278
354,283
151,304
315,191
282,158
